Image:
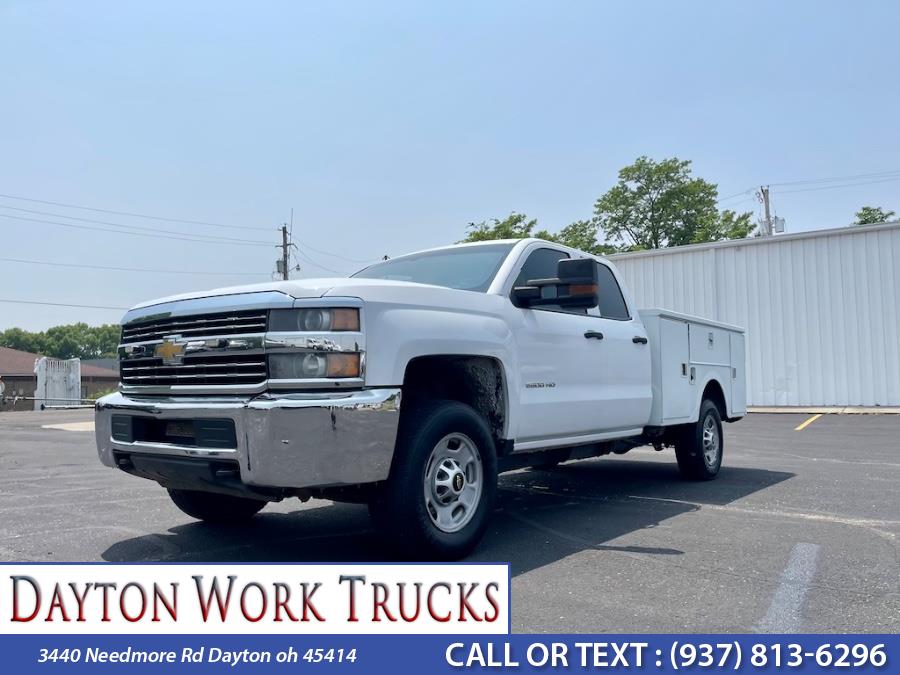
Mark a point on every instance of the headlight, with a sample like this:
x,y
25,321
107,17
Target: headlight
x,y
314,319
313,365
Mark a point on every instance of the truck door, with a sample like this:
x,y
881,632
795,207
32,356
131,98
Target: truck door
x,y
622,380
560,362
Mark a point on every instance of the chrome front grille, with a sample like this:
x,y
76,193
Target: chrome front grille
x,y
222,349
200,326
220,345
215,370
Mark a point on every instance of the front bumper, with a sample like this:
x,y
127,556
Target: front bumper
x,y
307,440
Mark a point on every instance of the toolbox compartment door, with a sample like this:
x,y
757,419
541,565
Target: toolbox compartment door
x,y
677,396
738,376
710,346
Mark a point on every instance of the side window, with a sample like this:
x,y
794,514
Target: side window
x,y
541,264
612,303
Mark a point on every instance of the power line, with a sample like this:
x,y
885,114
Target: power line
x,y
312,248
160,218
893,172
312,262
296,260
290,250
135,227
736,194
181,235
841,181
843,185
152,234
58,304
335,255
732,205
131,213
127,269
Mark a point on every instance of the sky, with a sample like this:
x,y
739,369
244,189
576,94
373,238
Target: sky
x,y
389,126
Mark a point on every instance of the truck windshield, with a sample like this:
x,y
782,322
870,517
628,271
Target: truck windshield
x,y
467,268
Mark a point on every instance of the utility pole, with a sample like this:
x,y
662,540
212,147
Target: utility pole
x,y
765,197
285,244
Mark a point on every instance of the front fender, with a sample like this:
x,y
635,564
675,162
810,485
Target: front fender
x,y
397,335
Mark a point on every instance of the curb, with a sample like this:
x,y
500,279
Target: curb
x,y
850,410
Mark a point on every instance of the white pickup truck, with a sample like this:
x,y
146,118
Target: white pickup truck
x,y
410,385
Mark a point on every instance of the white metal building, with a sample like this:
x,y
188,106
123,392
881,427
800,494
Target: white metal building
x,y
820,308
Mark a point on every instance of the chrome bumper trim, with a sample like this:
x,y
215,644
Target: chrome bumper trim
x,y
289,440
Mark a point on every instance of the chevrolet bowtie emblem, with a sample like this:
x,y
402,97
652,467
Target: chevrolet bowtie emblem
x,y
170,352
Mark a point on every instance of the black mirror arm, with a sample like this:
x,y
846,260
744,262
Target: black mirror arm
x,y
525,296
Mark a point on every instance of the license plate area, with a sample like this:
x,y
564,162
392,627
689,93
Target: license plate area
x,y
218,434
182,429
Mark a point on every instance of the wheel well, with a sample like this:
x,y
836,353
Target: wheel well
x,y
714,393
476,381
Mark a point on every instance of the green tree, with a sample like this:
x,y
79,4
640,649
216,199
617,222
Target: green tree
x,y
582,234
659,204
726,225
26,341
871,215
514,226
65,342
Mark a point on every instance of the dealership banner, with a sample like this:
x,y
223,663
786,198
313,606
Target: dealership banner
x,y
364,618
254,598
432,654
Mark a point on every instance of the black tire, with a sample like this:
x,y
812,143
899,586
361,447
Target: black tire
x,y
212,507
401,511
690,450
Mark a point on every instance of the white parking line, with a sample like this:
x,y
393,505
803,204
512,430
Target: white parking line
x,y
784,612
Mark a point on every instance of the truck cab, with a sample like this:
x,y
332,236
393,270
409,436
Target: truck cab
x,y
411,385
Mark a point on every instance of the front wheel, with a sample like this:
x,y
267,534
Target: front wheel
x,y
438,498
700,445
213,507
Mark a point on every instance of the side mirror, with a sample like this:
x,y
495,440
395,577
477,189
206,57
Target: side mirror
x,y
575,286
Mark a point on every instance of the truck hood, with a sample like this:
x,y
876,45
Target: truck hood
x,y
365,289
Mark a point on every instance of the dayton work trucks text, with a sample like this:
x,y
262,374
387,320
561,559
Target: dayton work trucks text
x,y
410,385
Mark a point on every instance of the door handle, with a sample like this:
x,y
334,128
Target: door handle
x,y
638,340
592,334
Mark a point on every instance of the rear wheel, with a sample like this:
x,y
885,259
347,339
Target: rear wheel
x,y
213,507
700,445
439,496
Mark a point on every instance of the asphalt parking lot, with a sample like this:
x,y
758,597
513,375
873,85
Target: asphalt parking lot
x,y
798,533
